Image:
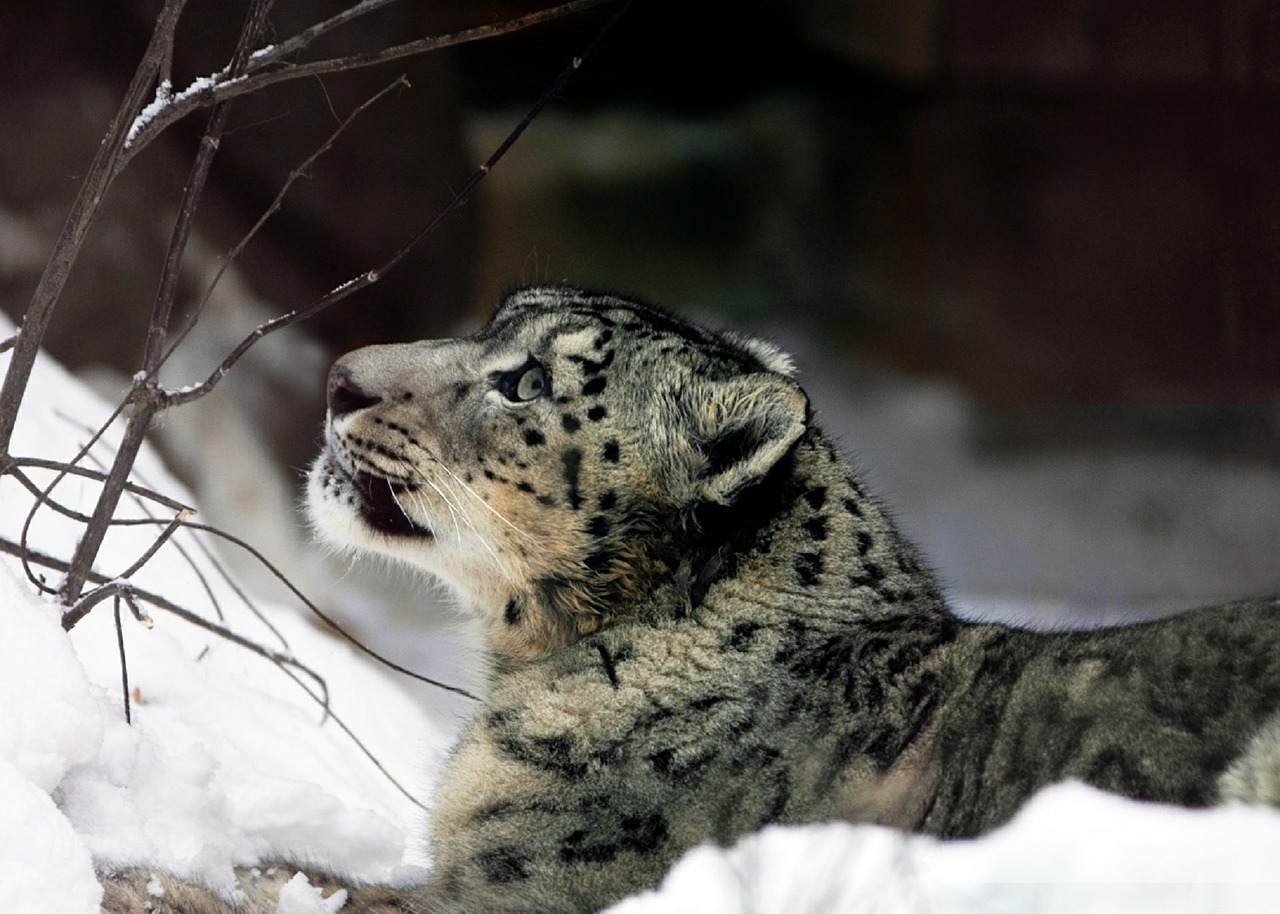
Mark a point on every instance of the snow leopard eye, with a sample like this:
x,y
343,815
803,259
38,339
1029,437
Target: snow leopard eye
x,y
528,382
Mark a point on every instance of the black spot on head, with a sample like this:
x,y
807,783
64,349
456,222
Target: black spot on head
x,y
808,567
597,561
594,386
611,451
571,461
816,497
513,612
571,423
590,367
871,575
864,542
608,500
546,500
596,413
852,507
533,437
524,486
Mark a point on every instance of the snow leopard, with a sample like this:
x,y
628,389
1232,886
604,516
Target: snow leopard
x,y
698,621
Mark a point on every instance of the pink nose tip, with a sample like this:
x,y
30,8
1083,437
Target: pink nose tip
x,y
344,395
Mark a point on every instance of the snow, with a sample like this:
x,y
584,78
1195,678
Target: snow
x,y
1071,849
163,96
166,97
229,762
299,896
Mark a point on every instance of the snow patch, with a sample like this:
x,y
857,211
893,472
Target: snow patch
x,y
1071,849
227,762
299,896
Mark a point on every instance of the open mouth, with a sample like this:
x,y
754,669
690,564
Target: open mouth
x,y
379,507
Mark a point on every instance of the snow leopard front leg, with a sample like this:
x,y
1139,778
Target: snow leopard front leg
x,y
584,779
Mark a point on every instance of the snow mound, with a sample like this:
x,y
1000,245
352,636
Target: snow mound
x,y
228,760
1071,849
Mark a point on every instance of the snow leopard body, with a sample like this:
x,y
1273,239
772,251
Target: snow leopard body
x,y
700,622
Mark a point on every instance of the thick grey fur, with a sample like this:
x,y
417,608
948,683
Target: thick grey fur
x,y
701,622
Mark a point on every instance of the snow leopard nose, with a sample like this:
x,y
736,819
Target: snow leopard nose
x,y
345,396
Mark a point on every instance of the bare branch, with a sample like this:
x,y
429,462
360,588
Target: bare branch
x,y
170,529
271,210
192,193
369,277
303,39
124,663
222,87
144,395
324,617
226,577
160,602
359,744
66,469
87,549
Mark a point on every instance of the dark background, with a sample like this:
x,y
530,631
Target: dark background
x,y
1026,253
1070,209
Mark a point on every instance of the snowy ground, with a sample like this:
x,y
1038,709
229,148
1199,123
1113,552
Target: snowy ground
x,y
228,760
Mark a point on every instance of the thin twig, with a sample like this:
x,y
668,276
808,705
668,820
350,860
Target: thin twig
x,y
227,579
170,529
284,662
223,86
145,395
137,492
302,169
96,530
70,513
303,39
124,663
324,617
193,191
330,715
67,469
369,277
159,602
46,496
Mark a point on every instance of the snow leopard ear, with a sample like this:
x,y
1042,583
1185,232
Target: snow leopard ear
x,y
742,427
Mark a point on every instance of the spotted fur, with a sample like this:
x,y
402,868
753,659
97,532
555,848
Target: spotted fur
x,y
701,622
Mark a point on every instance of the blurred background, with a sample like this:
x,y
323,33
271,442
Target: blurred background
x,y
1027,254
